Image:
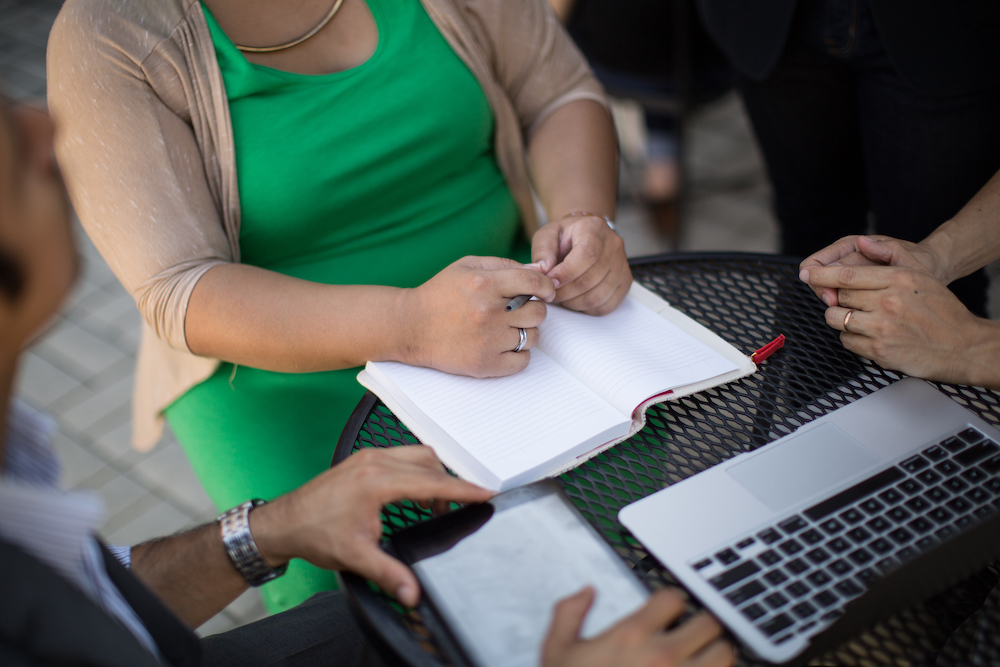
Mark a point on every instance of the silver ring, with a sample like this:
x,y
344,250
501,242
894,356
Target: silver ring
x,y
524,340
847,319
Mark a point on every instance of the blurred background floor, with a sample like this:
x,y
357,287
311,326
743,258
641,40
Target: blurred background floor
x,y
81,370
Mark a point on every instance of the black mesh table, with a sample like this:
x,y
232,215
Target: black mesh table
x,y
748,299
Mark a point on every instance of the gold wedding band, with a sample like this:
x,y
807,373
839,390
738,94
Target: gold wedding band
x,y
847,319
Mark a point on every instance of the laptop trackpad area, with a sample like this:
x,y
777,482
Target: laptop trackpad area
x,y
802,466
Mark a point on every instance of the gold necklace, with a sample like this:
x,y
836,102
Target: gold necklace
x,y
295,42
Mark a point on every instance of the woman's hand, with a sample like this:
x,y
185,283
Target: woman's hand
x,y
871,251
641,640
904,319
335,521
586,261
457,322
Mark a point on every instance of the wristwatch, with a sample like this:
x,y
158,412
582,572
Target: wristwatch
x,y
235,527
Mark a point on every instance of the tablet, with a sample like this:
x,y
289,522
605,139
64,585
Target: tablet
x,y
492,573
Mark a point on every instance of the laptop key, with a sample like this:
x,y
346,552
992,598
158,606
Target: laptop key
x,y
944,533
963,522
885,564
977,453
898,514
991,465
734,574
959,505
861,556
832,615
882,546
947,467
838,545
848,589
852,516
825,599
754,611
872,506
993,485
914,463
866,576
769,557
971,435
797,566
917,504
832,526
775,577
769,536
910,486
879,524
925,543
702,564
775,600
792,525
748,542
840,567
797,589
937,495
790,547
818,555
956,485
746,592
920,525
928,477
776,625
727,557
812,536
935,453
974,475
977,495
859,535
803,610
940,515
806,627
901,536
819,578
891,496
953,444
983,511
906,553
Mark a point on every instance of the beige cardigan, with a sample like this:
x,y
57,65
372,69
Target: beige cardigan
x,y
146,146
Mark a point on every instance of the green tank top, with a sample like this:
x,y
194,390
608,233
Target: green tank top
x,y
382,174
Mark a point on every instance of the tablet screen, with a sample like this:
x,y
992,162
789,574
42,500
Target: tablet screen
x,y
496,580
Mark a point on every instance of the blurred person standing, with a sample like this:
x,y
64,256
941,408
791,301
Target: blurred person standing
x,y
862,107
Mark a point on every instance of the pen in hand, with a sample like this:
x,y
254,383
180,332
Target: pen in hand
x,y
517,302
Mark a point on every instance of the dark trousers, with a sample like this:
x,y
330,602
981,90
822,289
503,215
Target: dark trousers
x,y
844,136
320,631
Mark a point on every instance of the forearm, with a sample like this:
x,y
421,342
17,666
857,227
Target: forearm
x,y
971,239
190,572
573,159
251,316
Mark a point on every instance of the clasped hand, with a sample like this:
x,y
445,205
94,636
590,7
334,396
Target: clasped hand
x,y
904,317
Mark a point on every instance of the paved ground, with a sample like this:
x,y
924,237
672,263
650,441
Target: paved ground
x,y
81,370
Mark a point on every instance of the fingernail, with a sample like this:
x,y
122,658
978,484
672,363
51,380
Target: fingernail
x,y
555,281
406,594
543,265
826,299
534,266
804,275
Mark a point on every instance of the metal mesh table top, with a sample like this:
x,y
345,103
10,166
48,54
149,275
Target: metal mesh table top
x,y
748,300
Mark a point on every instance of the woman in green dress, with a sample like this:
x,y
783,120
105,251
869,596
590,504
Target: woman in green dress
x,y
371,202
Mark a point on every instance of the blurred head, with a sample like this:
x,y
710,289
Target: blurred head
x,y
37,259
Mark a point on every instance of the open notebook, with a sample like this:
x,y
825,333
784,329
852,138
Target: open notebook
x,y
587,387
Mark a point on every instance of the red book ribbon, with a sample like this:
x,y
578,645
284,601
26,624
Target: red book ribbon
x,y
769,349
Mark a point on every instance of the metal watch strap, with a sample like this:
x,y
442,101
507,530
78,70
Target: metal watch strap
x,y
235,527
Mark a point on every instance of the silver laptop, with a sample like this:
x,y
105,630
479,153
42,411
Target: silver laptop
x,y
777,542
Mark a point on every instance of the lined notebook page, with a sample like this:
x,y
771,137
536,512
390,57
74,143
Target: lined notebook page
x,y
629,355
513,425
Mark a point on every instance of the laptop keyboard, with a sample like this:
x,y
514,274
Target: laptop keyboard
x,y
797,575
